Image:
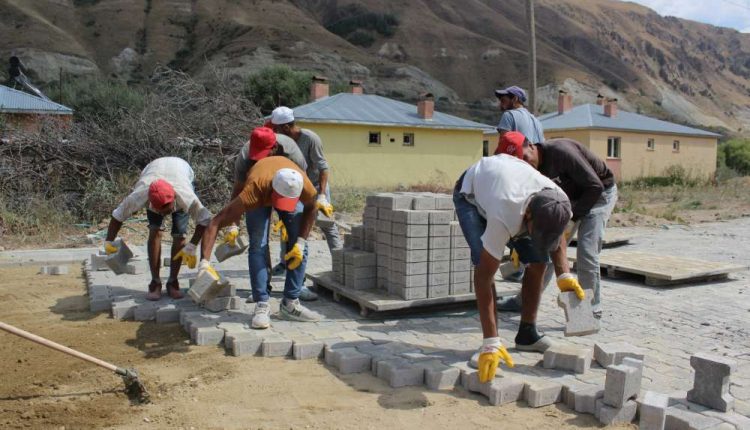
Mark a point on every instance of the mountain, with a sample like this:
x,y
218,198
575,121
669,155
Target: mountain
x,y
459,50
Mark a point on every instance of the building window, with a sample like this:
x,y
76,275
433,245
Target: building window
x,y
650,145
613,147
485,148
408,139
676,146
374,138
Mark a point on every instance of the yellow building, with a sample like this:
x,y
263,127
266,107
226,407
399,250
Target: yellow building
x,y
375,142
633,145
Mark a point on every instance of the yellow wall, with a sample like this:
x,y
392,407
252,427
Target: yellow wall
x,y
437,155
697,155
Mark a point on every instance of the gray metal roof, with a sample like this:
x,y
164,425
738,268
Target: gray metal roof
x,y
592,116
369,109
14,101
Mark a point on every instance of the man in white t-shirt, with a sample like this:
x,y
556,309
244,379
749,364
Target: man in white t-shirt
x,y
165,187
501,200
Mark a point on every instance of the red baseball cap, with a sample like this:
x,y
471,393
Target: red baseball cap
x,y
511,143
160,193
287,186
262,141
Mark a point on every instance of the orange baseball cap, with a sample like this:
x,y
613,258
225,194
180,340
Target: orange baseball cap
x,y
262,142
511,143
160,193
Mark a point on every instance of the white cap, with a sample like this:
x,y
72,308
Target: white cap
x,y
282,115
287,187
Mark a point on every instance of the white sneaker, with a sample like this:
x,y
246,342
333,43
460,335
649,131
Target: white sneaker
x,y
293,310
261,316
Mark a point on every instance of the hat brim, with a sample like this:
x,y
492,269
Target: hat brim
x,y
499,93
259,155
286,204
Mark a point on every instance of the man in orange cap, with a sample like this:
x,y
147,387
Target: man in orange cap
x,y
274,183
165,187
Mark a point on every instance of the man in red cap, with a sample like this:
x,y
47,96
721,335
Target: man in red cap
x,y
280,184
165,187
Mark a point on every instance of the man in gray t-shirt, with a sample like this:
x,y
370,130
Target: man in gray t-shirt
x,y
516,117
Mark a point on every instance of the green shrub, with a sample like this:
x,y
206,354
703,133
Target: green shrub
x,y
735,154
278,85
100,100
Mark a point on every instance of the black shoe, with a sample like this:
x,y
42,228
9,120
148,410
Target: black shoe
x,y
509,304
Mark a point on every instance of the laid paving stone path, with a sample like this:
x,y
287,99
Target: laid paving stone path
x,y
667,325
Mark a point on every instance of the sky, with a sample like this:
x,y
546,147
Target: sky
x,y
725,13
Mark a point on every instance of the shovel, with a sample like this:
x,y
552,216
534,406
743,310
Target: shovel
x,y
133,386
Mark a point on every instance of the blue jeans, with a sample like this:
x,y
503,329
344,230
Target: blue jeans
x,y
257,222
473,225
180,220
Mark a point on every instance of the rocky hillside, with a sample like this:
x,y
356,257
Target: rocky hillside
x,y
457,49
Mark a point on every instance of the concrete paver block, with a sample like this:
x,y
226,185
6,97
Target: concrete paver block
x,y
540,392
438,290
410,243
711,383
275,346
123,310
444,202
440,230
409,268
409,255
623,382
570,388
307,350
607,354
243,343
53,270
348,360
118,261
579,315
410,230
585,399
411,217
98,262
505,389
439,376
225,251
440,243
206,335
145,312
423,202
653,410
400,372
206,287
609,415
565,357
680,419
167,314
441,217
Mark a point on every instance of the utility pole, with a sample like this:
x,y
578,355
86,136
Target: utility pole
x,y
532,55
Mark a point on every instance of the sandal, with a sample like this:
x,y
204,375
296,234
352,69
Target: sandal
x,y
173,289
154,291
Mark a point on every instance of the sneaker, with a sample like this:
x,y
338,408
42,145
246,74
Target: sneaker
x,y
509,304
598,315
541,345
294,311
306,295
278,270
261,316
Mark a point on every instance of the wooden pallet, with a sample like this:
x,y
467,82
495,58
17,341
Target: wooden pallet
x,y
663,270
376,300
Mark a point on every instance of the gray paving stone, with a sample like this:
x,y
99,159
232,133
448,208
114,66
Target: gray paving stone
x,y
243,343
206,335
225,251
652,410
585,399
737,420
304,350
681,419
607,354
124,310
540,392
566,357
400,372
423,202
439,376
579,315
711,383
623,382
505,389
411,217
167,314
609,415
145,312
276,346
348,360
118,261
441,217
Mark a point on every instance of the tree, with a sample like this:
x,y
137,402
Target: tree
x,y
736,154
278,85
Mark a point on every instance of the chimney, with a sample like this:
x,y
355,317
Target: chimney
x,y
600,100
564,102
318,88
355,86
610,109
426,106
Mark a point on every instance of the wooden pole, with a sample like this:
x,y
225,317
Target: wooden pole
x,y
532,55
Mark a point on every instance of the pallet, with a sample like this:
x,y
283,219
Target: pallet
x,y
377,300
662,270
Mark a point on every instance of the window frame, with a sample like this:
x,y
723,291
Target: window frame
x,y
379,138
650,144
676,145
411,140
618,147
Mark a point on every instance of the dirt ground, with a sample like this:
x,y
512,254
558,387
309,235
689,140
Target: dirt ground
x,y
201,387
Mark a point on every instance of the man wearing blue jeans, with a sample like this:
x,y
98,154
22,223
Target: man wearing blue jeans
x,y
501,201
590,186
273,183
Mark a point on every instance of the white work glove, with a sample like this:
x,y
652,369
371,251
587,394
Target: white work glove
x,y
205,265
110,247
187,254
324,206
294,257
490,354
231,234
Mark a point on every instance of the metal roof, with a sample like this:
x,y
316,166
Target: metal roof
x,y
592,116
14,101
370,109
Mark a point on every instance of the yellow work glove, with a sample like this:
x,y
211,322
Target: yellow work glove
x,y
324,206
281,229
110,247
567,282
515,259
490,354
205,265
231,234
187,254
294,257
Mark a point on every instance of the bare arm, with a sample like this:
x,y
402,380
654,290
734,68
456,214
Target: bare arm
x,y
113,229
560,258
230,214
484,289
323,181
198,234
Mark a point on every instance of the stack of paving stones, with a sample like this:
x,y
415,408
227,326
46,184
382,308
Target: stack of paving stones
x,y
417,248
